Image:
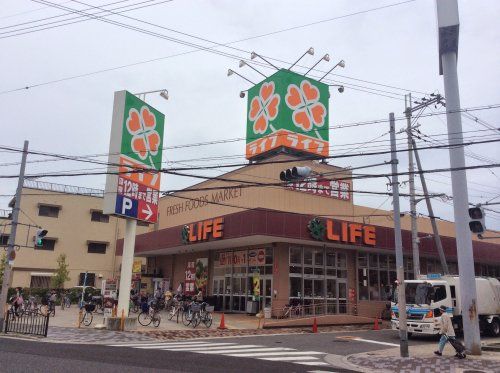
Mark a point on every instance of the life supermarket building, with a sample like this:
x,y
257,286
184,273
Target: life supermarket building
x,y
247,234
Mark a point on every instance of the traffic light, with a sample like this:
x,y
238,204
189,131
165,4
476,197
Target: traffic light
x,y
476,223
40,234
295,173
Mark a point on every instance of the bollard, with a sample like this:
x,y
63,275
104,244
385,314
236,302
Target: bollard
x,y
222,322
122,321
375,325
315,326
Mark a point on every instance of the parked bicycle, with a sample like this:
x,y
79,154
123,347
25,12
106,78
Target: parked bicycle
x,y
87,316
150,314
198,313
65,301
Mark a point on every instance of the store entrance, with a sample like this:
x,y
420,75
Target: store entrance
x,y
232,293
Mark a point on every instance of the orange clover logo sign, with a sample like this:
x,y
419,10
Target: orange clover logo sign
x,y
304,101
145,139
264,108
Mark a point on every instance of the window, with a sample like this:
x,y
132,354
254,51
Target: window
x,y
47,244
48,210
90,281
97,247
4,239
40,282
376,275
99,216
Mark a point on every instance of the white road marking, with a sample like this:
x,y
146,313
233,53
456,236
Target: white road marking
x,y
189,346
288,358
377,342
264,349
289,353
157,344
229,347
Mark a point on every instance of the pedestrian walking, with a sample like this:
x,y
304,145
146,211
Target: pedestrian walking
x,y
448,335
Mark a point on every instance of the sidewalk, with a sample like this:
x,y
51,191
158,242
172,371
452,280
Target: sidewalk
x,y
422,359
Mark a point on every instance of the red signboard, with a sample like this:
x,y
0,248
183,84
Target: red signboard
x,y
322,187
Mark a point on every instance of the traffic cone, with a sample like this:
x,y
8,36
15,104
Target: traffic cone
x,y
376,326
222,322
315,326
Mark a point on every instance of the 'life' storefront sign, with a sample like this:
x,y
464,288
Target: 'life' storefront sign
x,y
342,232
135,151
287,110
203,230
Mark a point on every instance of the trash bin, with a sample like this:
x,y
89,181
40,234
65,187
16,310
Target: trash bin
x,y
252,307
267,312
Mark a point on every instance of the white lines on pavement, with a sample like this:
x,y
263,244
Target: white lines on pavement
x,y
284,354
274,353
376,342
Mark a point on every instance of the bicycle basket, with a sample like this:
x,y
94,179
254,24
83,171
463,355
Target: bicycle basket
x,y
195,307
90,307
144,307
209,308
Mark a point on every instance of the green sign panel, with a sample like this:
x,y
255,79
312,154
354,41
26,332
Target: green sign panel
x,y
287,109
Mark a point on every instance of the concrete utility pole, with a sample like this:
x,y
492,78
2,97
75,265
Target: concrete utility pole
x,y
7,273
448,25
403,328
437,237
411,181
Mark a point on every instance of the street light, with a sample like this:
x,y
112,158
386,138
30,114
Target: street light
x,y
341,63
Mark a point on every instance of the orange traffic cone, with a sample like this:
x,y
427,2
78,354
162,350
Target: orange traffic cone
x,y
315,326
222,322
376,326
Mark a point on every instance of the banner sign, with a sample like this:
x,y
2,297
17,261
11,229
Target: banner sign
x,y
190,279
135,153
321,187
288,110
254,258
202,274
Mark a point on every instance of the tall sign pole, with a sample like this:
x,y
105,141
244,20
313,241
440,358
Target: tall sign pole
x,y
7,274
133,179
448,25
403,329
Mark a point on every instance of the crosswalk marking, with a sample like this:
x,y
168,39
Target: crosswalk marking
x,y
274,353
284,354
263,349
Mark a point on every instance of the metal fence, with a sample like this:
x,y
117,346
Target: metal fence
x,y
27,323
316,309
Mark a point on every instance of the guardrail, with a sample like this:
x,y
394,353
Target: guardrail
x,y
315,309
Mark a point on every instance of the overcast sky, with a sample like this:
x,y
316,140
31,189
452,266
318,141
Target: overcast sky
x,y
395,47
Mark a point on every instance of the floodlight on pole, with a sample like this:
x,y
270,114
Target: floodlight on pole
x,y
243,63
309,51
163,94
326,58
254,55
231,72
341,63
340,87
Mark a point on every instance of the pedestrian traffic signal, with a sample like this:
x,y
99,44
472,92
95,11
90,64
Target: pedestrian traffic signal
x,y
295,173
476,223
40,234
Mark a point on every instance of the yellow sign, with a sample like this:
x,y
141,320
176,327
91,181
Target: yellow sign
x,y
136,268
256,284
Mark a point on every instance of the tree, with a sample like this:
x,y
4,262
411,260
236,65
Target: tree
x,y
62,273
3,263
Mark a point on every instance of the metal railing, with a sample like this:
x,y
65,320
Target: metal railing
x,y
32,323
314,309
61,188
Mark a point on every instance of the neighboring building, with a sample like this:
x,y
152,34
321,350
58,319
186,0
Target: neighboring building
x,y
76,227
345,260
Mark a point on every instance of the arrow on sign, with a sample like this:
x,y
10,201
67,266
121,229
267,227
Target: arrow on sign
x,y
148,212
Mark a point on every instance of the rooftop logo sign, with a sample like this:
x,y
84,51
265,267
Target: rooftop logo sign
x,y
287,110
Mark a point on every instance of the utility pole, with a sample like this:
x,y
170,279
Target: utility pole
x,y
403,328
7,274
411,177
437,237
448,25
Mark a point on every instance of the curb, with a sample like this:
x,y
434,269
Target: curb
x,y
360,368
